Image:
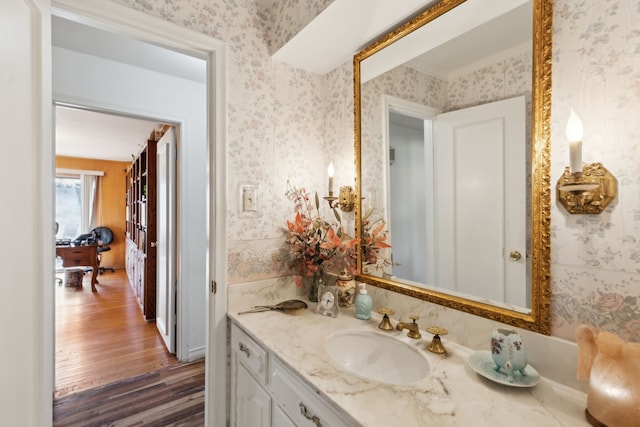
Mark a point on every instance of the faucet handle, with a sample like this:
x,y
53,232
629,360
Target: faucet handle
x,y
437,330
386,311
385,324
436,344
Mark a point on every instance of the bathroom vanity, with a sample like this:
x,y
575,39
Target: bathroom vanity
x,y
266,393
282,375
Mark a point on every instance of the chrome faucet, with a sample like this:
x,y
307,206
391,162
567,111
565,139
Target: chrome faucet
x,y
414,329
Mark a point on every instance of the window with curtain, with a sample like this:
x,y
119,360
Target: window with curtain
x,y
76,201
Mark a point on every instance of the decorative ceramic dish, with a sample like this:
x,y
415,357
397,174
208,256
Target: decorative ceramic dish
x,y
482,362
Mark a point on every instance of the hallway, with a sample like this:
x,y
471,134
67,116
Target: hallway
x,y
102,337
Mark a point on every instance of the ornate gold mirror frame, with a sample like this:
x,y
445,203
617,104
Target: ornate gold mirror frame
x,y
539,319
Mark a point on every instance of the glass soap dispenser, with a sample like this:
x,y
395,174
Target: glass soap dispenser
x,y
363,303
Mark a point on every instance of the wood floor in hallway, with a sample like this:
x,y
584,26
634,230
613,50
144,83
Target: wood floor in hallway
x,y
101,337
172,396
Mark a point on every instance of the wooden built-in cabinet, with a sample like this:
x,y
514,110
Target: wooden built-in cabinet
x,y
141,228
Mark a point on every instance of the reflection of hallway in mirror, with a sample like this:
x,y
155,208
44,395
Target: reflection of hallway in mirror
x,y
408,197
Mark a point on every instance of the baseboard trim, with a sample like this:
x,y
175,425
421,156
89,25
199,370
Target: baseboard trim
x,y
196,354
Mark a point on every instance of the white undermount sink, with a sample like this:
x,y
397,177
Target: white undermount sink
x,y
376,356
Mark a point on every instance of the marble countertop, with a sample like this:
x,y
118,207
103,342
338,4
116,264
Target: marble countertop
x,y
451,395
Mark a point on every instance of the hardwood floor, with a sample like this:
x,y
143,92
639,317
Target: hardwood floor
x,y
101,337
172,396
112,368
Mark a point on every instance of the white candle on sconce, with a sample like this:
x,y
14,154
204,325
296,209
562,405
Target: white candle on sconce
x,y
574,135
330,171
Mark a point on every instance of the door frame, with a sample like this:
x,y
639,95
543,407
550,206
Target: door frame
x,y
427,114
126,21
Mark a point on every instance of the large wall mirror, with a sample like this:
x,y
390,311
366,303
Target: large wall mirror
x,y
452,121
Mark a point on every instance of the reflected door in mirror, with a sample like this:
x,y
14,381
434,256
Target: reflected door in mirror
x,y
480,201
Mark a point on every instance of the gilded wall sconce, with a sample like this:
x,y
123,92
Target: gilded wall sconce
x,y
584,188
347,197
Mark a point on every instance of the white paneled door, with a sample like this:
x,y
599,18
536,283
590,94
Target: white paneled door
x,y
481,200
166,234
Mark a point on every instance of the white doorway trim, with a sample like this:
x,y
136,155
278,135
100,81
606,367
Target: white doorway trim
x,y
427,114
126,21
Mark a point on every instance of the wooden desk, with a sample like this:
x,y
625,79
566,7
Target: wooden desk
x,y
75,256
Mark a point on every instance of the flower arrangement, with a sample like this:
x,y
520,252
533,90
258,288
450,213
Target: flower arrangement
x,y
374,238
315,243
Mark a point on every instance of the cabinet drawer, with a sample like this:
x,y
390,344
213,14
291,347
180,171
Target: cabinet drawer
x,y
300,402
249,353
78,257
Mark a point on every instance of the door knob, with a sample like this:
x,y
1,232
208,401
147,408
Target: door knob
x,y
515,256
154,244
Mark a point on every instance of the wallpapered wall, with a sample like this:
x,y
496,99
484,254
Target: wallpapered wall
x,y
276,127
283,123
596,258
285,19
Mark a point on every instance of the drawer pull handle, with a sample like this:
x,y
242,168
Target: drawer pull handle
x,y
312,418
244,349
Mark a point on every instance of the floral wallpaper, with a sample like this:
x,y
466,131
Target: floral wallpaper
x,y
607,301
502,79
285,123
286,18
596,258
276,126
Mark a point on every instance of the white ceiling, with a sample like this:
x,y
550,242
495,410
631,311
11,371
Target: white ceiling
x,y
95,135
329,41
480,44
92,41
342,30
89,134
326,43
437,35
346,27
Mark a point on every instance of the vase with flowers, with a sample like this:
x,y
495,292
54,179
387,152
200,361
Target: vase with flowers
x,y
314,243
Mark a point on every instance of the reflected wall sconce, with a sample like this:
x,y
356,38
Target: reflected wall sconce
x,y
584,188
347,197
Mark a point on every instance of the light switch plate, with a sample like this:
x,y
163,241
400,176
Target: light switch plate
x,y
248,198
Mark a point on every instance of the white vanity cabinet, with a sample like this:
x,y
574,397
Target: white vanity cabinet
x,y
280,419
303,405
250,403
265,392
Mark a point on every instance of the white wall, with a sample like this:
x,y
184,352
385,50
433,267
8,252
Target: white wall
x,y
26,331
91,81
